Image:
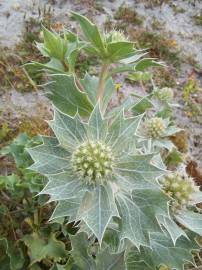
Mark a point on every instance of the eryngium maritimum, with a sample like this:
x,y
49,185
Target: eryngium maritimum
x,y
155,127
180,188
96,172
164,94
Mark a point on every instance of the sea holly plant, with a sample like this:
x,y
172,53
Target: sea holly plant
x,y
104,170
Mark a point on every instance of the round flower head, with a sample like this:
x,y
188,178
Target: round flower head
x,y
93,161
155,127
115,36
164,94
180,188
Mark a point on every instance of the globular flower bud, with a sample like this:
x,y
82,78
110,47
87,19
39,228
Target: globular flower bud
x,y
155,127
180,188
115,36
93,161
164,94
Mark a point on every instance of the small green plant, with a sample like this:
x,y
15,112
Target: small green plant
x,y
198,19
104,168
128,14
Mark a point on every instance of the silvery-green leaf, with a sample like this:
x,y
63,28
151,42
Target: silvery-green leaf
x,y
142,105
109,261
139,167
162,252
67,208
197,197
80,252
171,130
66,96
70,131
158,162
121,130
173,229
191,220
97,125
50,141
63,186
164,143
126,105
97,209
90,84
139,213
48,158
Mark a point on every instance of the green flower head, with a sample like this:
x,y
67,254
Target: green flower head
x,y
164,94
116,36
96,173
155,127
180,188
93,161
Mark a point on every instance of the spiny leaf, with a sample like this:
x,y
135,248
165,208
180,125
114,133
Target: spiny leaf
x,y
191,220
139,214
70,131
122,130
97,209
145,63
173,229
138,167
63,186
54,44
67,97
49,158
162,252
142,105
90,31
97,125
119,50
67,208
107,261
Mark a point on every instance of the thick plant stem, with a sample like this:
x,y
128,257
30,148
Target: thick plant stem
x,y
102,80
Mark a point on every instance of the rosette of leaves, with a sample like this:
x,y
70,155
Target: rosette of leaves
x,y
96,174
